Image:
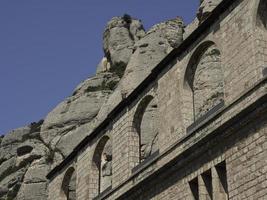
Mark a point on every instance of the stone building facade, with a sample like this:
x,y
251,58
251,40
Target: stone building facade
x,y
195,128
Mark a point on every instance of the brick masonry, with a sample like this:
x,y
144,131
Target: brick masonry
x,y
234,135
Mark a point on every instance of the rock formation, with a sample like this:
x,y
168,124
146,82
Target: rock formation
x,y
205,8
27,154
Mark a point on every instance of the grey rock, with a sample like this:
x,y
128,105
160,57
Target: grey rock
x,y
67,142
39,150
191,27
148,130
36,174
14,178
16,136
73,119
208,81
7,167
7,152
119,37
21,149
148,52
33,191
27,154
110,103
84,104
172,30
1,138
205,8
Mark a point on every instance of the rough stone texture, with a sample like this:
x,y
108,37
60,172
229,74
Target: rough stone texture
x,y
106,167
148,52
28,153
75,117
146,125
205,8
193,156
262,17
207,81
118,41
75,113
130,55
21,151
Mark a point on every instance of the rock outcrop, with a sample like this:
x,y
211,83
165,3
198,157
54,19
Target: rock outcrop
x,y
27,154
205,8
148,52
23,163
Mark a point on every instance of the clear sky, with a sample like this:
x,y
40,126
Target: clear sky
x,y
47,47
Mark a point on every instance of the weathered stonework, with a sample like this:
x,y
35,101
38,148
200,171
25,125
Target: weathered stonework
x,y
189,123
208,99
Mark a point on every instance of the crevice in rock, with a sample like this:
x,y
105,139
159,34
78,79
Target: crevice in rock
x,y
23,150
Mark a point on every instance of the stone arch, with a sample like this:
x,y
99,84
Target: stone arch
x,y
203,82
146,126
102,165
69,184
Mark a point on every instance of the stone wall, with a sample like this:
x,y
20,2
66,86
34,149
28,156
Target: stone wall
x,y
195,152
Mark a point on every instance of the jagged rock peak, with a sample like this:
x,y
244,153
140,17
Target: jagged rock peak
x,y
119,38
134,26
171,29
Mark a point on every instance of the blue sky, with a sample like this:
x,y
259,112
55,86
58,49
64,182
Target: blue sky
x,y
47,47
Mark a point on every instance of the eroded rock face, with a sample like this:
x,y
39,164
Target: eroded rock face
x,y
23,162
29,153
119,37
73,119
148,52
208,82
205,8
149,130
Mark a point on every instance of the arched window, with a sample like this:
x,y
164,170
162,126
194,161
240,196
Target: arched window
x,y
146,125
204,79
69,184
262,14
102,165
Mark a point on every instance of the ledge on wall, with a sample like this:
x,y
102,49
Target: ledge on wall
x,y
146,162
102,194
203,119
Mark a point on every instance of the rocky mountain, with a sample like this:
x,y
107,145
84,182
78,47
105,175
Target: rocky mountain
x,y
27,154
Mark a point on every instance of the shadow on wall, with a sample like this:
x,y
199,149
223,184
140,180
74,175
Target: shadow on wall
x,y
102,166
69,184
204,82
262,15
146,127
